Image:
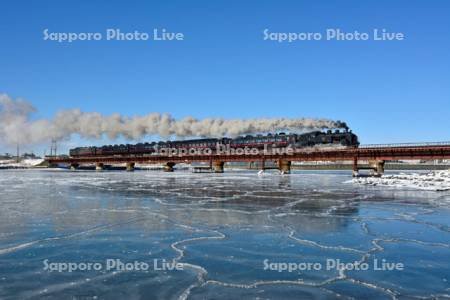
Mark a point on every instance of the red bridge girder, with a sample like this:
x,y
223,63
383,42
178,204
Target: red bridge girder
x,y
375,153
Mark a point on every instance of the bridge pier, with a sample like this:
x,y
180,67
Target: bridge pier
x,y
73,166
284,166
99,167
217,166
355,167
130,166
377,166
168,167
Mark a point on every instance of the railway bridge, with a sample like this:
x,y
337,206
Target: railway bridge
x,y
375,155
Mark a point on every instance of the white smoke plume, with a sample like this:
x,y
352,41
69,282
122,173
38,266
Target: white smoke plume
x,y
18,127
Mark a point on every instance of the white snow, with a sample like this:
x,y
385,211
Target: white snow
x,y
24,163
435,180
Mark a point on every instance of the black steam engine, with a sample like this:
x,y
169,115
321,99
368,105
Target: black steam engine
x,y
311,139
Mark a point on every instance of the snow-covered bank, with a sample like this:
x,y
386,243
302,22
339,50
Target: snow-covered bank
x,y
24,163
435,180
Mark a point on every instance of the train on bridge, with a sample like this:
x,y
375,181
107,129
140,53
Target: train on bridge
x,y
337,138
315,146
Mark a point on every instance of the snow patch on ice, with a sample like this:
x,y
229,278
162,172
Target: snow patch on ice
x,y
434,181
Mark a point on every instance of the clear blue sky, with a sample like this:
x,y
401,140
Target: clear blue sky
x,y
386,91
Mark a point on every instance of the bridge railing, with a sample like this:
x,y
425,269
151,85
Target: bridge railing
x,y
405,145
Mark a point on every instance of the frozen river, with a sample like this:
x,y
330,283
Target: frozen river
x,y
237,235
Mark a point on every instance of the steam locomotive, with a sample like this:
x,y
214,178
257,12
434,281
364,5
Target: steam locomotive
x,y
344,138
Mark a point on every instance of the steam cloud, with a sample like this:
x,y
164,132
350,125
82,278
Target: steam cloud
x,y
18,126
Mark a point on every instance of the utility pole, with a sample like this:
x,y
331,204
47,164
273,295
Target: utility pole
x,y
18,153
53,148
